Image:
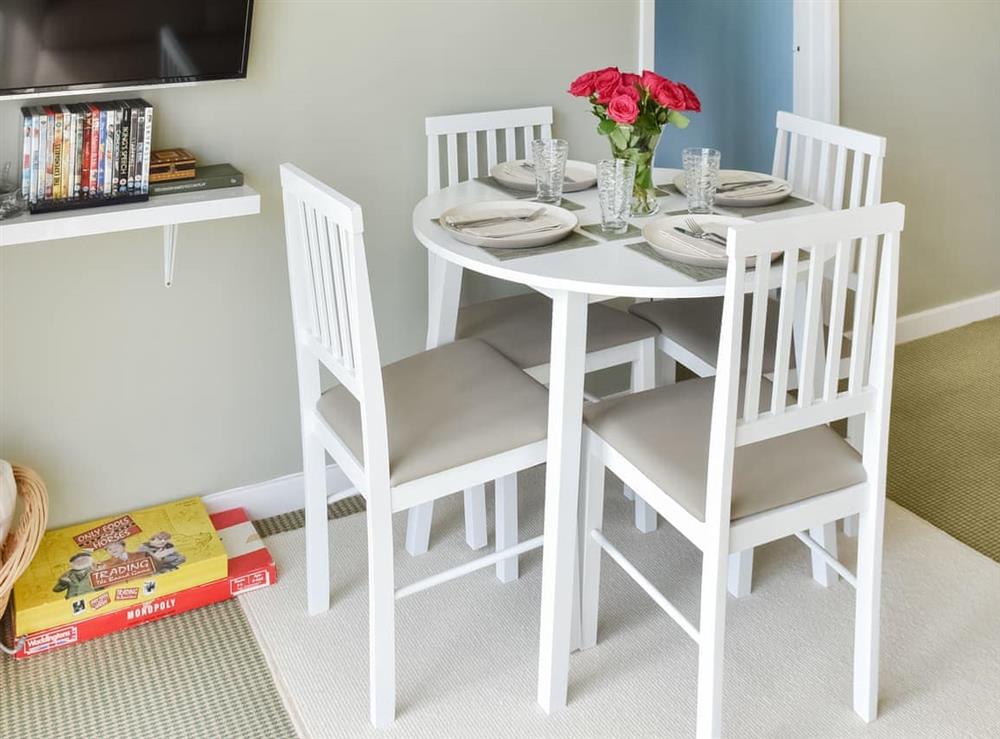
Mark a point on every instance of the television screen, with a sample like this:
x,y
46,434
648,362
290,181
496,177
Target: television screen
x,y
52,45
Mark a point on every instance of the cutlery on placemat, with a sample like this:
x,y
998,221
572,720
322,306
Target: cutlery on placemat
x,y
466,222
729,186
530,166
694,229
692,247
525,232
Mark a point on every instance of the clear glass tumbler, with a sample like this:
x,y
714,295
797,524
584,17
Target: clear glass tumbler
x,y
615,179
549,162
701,178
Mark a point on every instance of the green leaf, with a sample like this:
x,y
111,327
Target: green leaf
x,y
618,137
606,127
677,120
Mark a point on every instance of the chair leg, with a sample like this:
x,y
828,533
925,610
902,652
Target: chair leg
x,y
866,618
740,573
856,438
851,525
317,531
418,528
590,565
475,516
826,535
643,377
712,631
506,525
381,611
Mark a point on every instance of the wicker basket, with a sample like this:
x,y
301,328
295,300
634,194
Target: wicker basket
x,y
23,540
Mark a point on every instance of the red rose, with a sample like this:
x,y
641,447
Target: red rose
x,y
583,86
628,90
606,81
651,80
623,109
691,101
669,95
631,80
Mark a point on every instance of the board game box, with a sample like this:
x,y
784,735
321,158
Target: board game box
x,y
249,566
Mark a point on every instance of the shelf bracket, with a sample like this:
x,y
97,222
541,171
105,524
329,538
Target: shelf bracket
x,y
169,253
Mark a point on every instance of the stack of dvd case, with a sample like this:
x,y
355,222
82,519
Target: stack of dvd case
x,y
86,154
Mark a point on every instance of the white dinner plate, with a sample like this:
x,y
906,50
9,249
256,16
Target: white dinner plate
x,y
747,198
661,236
513,174
564,222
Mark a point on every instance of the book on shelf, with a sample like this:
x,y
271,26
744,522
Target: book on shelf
x,y
85,153
209,177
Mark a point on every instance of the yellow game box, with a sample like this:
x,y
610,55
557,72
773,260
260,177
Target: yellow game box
x,y
118,562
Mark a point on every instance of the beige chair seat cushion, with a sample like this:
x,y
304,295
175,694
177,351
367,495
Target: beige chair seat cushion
x,y
520,327
664,433
446,407
695,325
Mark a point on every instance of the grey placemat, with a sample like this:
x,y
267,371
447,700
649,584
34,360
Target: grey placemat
x,y
574,240
789,203
595,228
497,185
694,272
667,189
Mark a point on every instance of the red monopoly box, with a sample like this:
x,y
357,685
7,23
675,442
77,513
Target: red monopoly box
x,y
250,567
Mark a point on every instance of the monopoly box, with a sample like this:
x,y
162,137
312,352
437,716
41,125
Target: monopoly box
x,y
247,565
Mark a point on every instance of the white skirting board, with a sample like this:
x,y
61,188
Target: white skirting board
x,y
274,497
284,494
946,317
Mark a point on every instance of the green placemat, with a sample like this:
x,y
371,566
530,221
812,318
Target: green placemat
x,y
574,240
667,189
595,228
694,272
496,185
789,203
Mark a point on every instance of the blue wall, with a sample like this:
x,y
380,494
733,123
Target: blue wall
x,y
737,56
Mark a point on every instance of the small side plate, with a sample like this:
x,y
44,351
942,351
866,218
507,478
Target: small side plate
x,y
513,174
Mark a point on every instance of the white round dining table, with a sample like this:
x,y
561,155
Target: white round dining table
x,y
571,278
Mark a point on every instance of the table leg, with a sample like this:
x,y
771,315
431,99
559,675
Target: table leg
x,y
562,489
444,288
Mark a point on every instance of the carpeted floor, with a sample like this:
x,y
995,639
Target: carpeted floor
x,y
944,439
467,650
204,675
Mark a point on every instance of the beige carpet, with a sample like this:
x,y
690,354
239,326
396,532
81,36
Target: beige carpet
x,y
467,650
944,443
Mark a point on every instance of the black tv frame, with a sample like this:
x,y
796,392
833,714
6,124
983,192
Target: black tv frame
x,y
41,91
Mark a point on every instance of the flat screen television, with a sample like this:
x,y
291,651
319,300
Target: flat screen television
x,y
68,45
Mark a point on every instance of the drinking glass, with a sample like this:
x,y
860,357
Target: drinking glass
x,y
550,167
615,179
701,178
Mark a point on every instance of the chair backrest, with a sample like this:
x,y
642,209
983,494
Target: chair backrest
x,y
833,165
331,302
876,231
475,134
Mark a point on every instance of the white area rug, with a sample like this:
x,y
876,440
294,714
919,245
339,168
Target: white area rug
x,y
467,650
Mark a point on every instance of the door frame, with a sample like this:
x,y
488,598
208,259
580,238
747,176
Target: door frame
x,y
815,61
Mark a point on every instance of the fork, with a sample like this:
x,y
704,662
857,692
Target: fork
x,y
496,219
700,233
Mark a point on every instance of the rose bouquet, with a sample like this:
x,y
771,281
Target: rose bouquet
x,y
633,110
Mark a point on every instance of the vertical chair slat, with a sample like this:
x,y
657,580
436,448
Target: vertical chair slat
x,y
835,339
857,174
472,153
808,144
861,332
452,158
823,181
327,255
873,189
780,154
813,328
315,268
529,135
510,150
342,269
546,131
433,164
786,310
491,148
839,179
310,293
793,156
758,329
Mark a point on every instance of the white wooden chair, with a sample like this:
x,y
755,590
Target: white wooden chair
x,y
404,434
520,327
733,462
836,167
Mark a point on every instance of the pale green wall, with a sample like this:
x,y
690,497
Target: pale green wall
x,y
122,393
926,75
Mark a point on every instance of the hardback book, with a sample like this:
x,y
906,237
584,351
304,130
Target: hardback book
x,y
116,563
249,567
209,177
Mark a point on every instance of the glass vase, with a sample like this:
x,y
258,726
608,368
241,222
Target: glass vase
x,y
640,150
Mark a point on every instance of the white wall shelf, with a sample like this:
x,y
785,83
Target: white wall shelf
x,y
167,211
